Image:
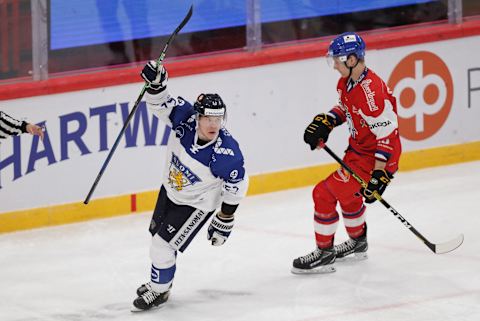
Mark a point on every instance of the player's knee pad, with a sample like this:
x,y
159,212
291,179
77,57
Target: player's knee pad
x,y
352,204
324,201
162,254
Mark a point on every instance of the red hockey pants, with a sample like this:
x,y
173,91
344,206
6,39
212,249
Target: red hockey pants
x,y
340,187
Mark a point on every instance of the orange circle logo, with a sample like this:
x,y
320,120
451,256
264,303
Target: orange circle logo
x,y
424,89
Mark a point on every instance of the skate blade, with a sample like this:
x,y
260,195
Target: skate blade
x,y
134,309
353,258
318,270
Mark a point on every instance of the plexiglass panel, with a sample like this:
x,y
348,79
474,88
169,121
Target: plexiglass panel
x,y
471,8
15,39
84,34
288,20
96,33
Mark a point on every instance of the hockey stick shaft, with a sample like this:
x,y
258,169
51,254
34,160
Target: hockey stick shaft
x,y
435,248
135,106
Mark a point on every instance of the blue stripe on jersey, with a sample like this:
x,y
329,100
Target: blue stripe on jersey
x,y
383,153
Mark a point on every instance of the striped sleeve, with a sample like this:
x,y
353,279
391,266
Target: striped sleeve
x,y
10,126
384,125
337,113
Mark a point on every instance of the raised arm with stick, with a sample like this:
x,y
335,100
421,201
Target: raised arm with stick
x,y
135,106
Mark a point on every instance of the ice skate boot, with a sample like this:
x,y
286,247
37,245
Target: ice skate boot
x,y
353,248
318,261
144,288
149,300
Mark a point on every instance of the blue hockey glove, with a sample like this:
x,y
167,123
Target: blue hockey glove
x,y
220,228
155,76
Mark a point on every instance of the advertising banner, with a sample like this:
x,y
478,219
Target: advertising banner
x,y
437,86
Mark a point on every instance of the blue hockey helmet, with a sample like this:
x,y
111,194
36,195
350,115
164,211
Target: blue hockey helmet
x,y
346,44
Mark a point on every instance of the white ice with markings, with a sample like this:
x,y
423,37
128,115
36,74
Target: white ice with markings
x,y
90,271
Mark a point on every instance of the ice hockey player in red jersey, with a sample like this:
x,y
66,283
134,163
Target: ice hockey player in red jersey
x,y
367,105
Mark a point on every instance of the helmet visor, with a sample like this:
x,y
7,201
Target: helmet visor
x,y
332,61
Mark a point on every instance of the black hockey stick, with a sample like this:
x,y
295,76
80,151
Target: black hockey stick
x,y
137,102
436,248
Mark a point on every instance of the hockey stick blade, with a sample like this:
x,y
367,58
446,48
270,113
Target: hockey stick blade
x,y
177,30
449,246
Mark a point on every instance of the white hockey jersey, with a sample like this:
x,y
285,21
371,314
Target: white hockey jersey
x,y
199,176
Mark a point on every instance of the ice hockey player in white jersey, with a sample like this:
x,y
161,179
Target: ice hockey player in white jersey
x,y
204,171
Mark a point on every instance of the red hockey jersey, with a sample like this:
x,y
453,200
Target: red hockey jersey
x,y
370,109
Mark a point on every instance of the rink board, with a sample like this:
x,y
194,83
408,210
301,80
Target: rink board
x,y
268,107
261,183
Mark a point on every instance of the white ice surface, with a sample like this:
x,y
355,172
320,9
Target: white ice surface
x,y
90,271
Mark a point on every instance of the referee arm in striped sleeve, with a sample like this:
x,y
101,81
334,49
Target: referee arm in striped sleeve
x,y
10,126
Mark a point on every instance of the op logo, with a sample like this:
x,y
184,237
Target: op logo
x,y
424,87
180,176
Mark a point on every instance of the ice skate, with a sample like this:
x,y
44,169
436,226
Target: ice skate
x,y
352,249
150,299
318,261
144,288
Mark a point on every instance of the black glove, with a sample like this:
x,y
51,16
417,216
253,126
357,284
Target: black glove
x,y
319,128
378,183
155,76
